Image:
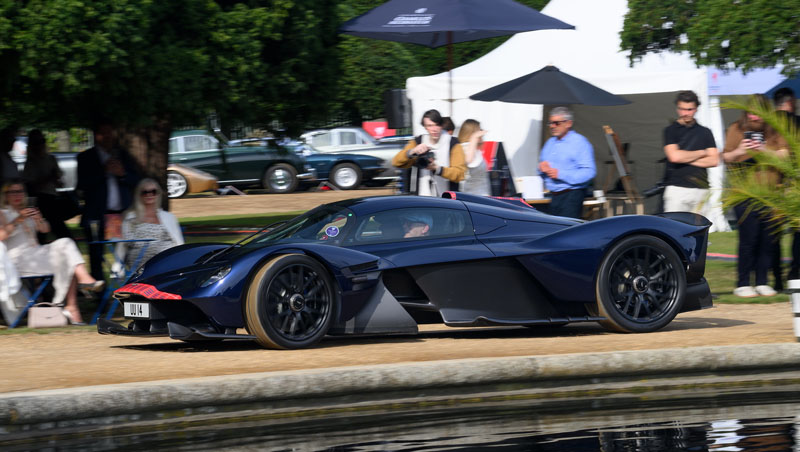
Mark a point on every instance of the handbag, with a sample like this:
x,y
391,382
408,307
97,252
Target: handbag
x,y
46,315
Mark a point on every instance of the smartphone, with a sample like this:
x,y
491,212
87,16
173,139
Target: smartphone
x,y
748,135
30,202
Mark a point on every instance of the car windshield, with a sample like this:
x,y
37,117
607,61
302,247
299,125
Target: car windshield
x,y
325,224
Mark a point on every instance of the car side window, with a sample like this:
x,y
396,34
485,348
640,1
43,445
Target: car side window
x,y
198,143
347,138
412,224
173,145
322,139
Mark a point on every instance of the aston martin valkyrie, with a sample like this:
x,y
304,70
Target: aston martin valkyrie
x,y
384,265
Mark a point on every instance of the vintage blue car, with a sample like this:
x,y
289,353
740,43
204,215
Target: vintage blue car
x,y
386,264
345,171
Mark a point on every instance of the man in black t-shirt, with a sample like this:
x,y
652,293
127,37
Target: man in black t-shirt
x,y
690,149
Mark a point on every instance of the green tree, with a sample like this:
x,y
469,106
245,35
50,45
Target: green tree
x,y
150,65
743,34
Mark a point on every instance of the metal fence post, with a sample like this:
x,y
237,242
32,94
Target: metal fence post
x,y
794,289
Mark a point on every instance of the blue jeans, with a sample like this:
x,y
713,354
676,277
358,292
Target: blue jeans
x,y
756,245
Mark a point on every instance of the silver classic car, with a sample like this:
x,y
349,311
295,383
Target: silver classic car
x,y
355,140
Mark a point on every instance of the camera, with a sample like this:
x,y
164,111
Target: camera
x,y
424,160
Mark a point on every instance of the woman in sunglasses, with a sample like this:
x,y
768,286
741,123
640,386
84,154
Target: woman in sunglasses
x,y
146,220
20,220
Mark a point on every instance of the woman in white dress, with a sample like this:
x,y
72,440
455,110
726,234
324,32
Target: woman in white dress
x,y
476,181
19,224
146,220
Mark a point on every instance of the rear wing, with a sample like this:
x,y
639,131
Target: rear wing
x,y
689,218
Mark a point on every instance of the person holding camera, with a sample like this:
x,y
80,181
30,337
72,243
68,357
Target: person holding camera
x,y
567,165
757,236
436,159
19,223
690,149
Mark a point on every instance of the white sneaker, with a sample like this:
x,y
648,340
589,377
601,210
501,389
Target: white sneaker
x,y
766,291
746,291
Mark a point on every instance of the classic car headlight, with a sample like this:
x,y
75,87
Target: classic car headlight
x,y
221,273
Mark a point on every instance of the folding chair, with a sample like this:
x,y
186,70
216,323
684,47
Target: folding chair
x,y
37,292
117,281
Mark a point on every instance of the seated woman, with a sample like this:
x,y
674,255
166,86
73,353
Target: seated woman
x,y
146,220
19,224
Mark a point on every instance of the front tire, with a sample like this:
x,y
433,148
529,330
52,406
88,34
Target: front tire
x,y
640,285
177,185
291,302
280,178
346,176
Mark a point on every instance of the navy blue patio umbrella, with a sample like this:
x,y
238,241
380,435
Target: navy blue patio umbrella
x,y
436,23
793,83
549,86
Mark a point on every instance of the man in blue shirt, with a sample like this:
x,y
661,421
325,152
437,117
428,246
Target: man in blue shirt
x,y
567,165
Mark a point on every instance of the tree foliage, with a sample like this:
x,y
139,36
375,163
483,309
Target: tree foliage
x,y
149,65
742,34
142,61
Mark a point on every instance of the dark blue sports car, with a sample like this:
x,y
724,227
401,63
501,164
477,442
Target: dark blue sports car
x,y
386,264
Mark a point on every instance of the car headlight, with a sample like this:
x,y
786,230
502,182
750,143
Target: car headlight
x,y
138,272
217,276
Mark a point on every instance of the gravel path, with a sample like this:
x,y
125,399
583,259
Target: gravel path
x,y
73,357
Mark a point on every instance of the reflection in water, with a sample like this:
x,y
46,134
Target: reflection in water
x,y
762,425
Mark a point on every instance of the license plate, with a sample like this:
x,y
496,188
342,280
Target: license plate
x,y
137,310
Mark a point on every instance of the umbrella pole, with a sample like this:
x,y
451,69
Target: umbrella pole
x,y
450,70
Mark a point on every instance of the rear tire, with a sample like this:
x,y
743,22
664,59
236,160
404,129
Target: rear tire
x,y
291,302
280,178
641,284
346,176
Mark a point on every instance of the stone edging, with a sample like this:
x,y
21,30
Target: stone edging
x,y
132,398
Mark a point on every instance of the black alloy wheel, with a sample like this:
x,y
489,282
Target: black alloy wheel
x,y
290,303
641,284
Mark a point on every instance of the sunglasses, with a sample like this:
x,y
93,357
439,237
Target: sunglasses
x,y
557,123
15,192
151,192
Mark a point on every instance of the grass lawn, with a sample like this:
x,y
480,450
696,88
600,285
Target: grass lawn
x,y
721,274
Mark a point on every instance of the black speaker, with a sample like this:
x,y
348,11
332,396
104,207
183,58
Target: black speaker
x,y
398,108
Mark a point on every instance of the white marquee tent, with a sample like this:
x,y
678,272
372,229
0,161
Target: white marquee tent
x,y
590,52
